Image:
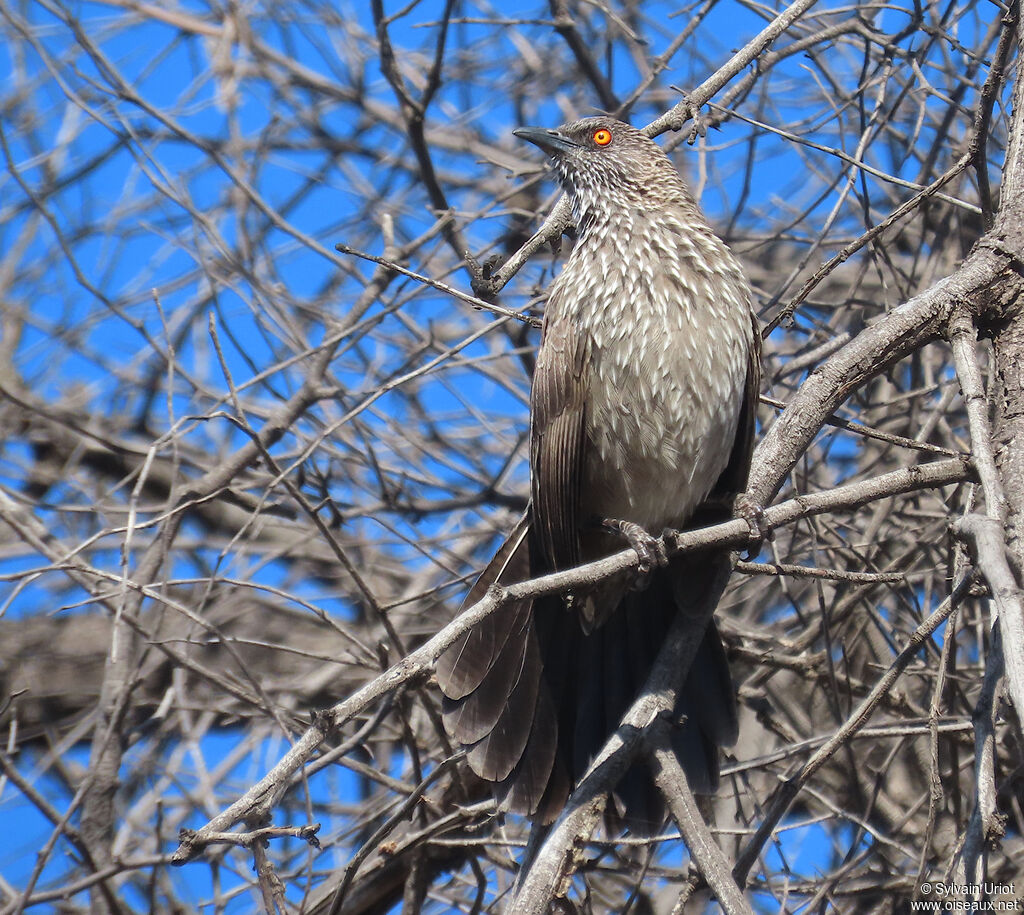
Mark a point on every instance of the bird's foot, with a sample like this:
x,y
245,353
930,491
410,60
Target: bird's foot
x,y
753,513
650,550
482,275
698,128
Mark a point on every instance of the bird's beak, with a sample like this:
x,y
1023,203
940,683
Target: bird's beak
x,y
553,142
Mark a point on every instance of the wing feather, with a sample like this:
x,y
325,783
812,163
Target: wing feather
x,y
558,444
734,478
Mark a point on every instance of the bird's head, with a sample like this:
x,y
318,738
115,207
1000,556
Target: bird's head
x,y
602,162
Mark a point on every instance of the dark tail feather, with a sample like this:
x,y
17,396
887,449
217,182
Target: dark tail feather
x,y
491,675
534,697
469,661
539,784
512,709
705,713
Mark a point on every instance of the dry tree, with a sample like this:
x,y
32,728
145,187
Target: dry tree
x,y
247,477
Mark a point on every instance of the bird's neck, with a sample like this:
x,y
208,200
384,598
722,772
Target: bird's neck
x,y
666,257
595,211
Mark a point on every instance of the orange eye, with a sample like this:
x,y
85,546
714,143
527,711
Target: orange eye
x,y
602,136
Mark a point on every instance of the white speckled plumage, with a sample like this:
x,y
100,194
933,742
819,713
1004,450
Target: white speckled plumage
x,y
669,358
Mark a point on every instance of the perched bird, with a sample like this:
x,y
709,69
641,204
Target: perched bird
x,y
642,417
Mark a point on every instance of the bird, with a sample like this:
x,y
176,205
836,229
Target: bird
x,y
642,415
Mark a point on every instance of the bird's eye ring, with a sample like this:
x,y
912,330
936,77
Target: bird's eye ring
x,y
602,136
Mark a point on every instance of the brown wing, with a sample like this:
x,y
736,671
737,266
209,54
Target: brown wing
x,y
734,478
558,444
498,700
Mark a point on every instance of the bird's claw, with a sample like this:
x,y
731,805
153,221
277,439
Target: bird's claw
x,y
482,275
753,513
698,125
650,550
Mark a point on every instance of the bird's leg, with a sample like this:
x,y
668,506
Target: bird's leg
x,y
651,550
746,508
